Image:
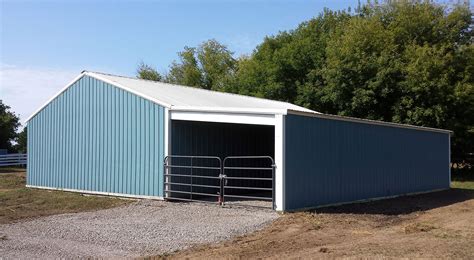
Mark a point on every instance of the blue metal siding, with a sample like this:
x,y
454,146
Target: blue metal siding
x,y
97,137
334,161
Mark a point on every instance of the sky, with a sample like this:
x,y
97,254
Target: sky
x,y
46,44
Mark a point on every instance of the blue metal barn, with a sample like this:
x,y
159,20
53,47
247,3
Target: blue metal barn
x,y
113,135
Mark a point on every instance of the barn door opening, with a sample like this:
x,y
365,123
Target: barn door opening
x,y
249,150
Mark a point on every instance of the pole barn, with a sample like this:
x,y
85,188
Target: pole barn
x,y
120,136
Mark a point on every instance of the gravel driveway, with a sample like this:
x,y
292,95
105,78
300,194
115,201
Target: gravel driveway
x,y
141,228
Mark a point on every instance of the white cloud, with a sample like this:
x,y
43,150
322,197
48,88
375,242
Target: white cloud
x,y
26,89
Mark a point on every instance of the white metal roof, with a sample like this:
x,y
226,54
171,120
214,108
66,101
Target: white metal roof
x,y
178,97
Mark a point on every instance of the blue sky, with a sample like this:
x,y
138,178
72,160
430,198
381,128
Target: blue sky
x,y
45,44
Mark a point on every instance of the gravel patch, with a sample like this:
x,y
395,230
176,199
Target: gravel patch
x,y
139,229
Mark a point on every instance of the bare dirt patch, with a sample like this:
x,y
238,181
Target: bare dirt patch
x,y
436,225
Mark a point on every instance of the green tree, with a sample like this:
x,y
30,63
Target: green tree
x,y
9,123
147,72
187,71
209,66
405,62
217,64
288,66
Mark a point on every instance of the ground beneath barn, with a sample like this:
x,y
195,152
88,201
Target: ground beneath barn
x,y
138,229
437,225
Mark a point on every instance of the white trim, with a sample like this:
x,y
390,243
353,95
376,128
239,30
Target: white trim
x,y
230,110
98,193
368,121
55,96
252,119
279,161
167,148
167,135
366,200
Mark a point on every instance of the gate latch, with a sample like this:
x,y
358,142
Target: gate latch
x,y
223,177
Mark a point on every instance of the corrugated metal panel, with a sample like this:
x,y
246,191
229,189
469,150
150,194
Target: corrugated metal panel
x,y
177,95
97,137
221,139
331,161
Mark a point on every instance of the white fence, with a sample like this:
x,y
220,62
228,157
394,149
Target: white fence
x,y
13,159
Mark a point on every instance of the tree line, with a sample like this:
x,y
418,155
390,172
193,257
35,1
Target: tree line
x,y
409,62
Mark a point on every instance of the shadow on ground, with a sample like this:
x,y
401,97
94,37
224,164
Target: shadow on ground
x,y
405,204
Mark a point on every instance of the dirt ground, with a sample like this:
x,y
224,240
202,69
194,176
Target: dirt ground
x,y
436,225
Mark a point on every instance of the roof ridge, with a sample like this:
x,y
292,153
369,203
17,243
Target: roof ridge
x,y
194,88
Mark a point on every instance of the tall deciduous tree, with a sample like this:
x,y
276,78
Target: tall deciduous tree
x,y
407,63
187,71
9,123
400,61
208,66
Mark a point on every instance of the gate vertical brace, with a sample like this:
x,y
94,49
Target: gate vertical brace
x,y
273,186
191,194
165,172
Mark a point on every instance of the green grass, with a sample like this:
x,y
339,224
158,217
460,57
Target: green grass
x,y
11,169
18,202
469,185
463,179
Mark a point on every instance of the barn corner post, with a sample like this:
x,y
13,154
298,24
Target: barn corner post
x,y
167,149
279,162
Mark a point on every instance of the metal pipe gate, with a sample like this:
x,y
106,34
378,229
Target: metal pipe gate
x,y
215,184
174,181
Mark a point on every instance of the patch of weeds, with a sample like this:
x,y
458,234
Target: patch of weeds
x,y
419,227
467,185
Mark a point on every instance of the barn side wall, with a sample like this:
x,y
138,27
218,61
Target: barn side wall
x,y
95,137
334,161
